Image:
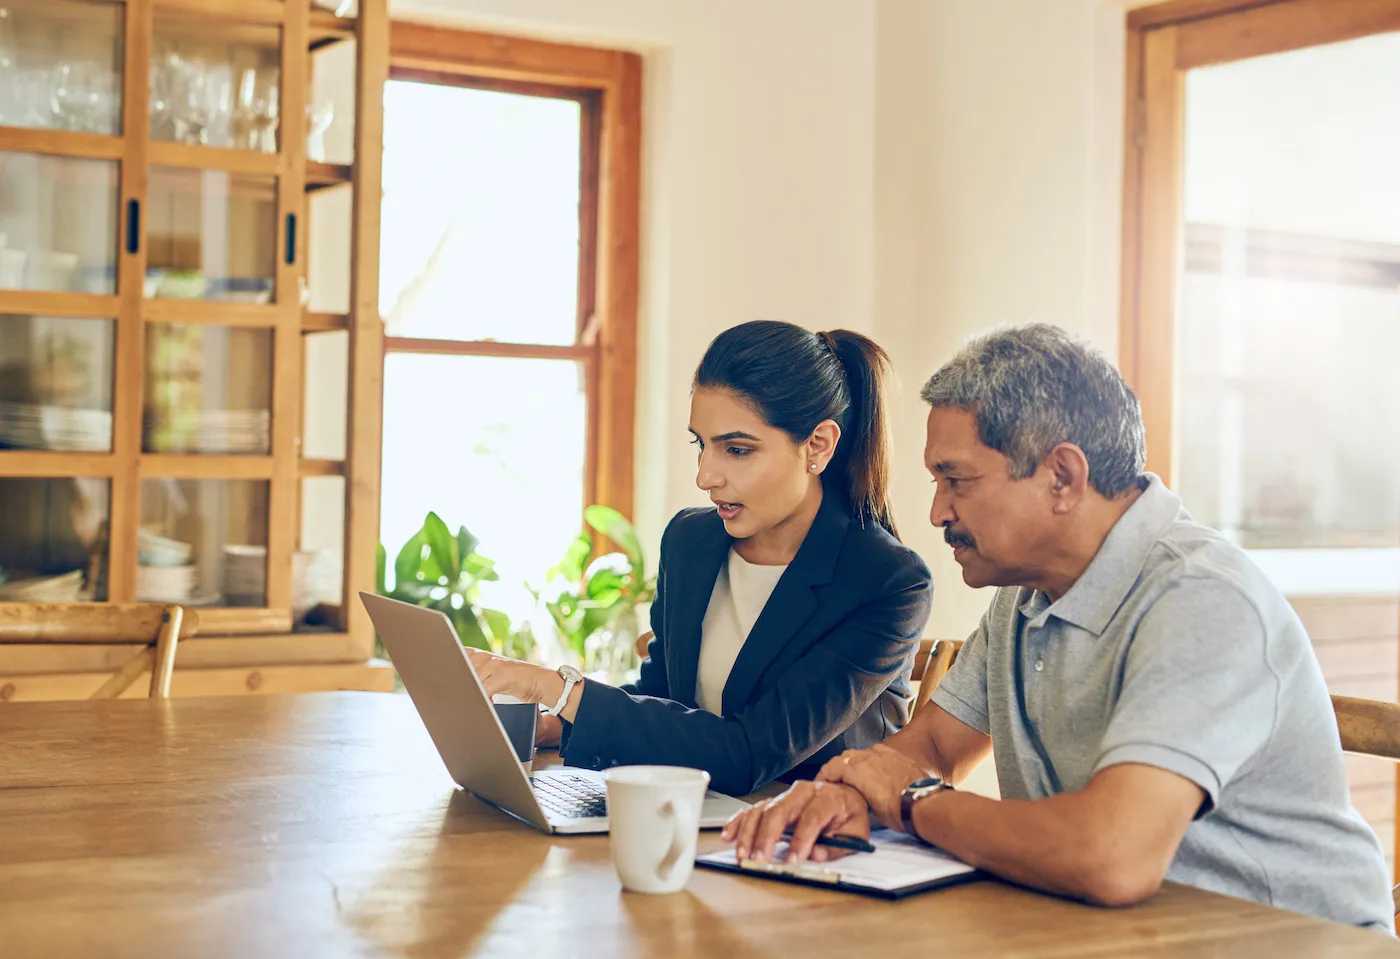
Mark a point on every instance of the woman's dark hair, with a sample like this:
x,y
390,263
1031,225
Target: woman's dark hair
x,y
795,379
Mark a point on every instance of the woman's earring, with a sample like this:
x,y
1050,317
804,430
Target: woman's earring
x,y
814,466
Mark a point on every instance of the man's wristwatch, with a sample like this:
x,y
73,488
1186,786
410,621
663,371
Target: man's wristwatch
x,y
913,793
572,677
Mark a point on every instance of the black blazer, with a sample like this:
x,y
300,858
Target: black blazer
x,y
826,667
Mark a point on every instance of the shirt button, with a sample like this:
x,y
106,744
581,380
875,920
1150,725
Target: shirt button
x,y
1039,665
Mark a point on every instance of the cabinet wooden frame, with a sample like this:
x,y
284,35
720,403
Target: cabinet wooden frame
x,y
301,30
609,85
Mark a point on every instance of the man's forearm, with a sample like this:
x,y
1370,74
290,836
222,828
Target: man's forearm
x,y
1050,844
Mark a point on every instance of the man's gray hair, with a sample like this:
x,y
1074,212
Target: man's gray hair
x,y
1035,387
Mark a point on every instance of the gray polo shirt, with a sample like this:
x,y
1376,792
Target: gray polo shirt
x,y
1173,650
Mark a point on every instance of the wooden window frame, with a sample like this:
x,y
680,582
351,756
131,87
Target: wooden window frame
x,y
608,85
1163,42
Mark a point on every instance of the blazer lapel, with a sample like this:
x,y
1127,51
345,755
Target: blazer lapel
x,y
792,602
689,585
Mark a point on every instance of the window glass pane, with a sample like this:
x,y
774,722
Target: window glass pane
x,y
480,229
203,542
55,383
507,462
58,224
61,65
215,84
330,133
212,235
53,539
208,389
1289,329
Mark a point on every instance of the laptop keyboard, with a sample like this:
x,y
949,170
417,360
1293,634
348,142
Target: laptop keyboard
x,y
571,797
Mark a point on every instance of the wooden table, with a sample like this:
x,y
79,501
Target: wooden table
x,y
324,825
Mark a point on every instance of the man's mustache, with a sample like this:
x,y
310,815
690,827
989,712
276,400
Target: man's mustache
x,y
956,540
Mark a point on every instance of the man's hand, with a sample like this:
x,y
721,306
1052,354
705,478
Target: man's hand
x,y
879,774
549,731
810,809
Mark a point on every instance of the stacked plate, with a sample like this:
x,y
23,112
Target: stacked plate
x,y
24,588
45,427
166,584
245,575
207,431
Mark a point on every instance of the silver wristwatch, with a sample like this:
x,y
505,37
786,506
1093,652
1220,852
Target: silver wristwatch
x,y
915,791
572,677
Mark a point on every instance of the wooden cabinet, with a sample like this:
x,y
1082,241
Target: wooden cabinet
x,y
190,346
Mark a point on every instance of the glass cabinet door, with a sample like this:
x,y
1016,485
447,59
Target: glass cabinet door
x,y
58,223
216,84
55,383
212,235
61,65
53,539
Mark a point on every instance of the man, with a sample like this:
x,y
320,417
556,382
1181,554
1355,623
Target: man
x,y
1153,704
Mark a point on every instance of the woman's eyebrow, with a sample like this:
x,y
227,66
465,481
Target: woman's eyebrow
x,y
726,437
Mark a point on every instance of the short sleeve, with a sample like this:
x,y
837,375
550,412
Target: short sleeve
x,y
1199,696
963,692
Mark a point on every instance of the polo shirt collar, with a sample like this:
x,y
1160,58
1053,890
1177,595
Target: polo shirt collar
x,y
1114,570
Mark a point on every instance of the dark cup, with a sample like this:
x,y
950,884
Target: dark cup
x,y
519,722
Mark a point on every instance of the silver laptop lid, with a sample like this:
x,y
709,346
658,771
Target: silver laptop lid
x,y
453,704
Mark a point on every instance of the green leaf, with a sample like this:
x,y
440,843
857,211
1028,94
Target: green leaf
x,y
571,566
498,624
466,544
603,583
409,562
381,560
469,629
616,527
442,546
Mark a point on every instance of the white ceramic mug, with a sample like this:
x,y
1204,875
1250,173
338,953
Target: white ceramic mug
x,y
654,822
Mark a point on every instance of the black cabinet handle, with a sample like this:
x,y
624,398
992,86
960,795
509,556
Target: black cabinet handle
x,y
291,238
133,226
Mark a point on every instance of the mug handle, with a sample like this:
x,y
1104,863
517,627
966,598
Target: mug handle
x,y
681,828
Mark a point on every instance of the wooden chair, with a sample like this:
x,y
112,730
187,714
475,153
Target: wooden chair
x,y
1371,728
642,642
156,629
935,658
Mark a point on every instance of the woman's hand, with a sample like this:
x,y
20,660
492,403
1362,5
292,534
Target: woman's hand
x,y
549,731
809,810
511,677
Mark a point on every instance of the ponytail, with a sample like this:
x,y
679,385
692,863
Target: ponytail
x,y
796,380
862,457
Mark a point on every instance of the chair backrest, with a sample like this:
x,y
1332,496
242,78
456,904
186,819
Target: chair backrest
x,y
156,629
935,658
1372,728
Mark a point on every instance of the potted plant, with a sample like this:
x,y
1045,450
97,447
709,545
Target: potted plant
x,y
441,571
595,605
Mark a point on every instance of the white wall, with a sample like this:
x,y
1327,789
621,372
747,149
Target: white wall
x,y
999,146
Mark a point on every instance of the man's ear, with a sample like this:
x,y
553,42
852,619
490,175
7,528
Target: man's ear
x,y
1067,469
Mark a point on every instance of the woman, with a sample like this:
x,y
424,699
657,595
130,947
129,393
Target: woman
x,y
787,616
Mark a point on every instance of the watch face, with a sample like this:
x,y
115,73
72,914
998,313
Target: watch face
x,y
571,672
925,783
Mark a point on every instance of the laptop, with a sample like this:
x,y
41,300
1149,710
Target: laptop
x,y
468,735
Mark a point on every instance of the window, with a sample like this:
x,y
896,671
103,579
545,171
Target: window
x,y
508,292
1262,311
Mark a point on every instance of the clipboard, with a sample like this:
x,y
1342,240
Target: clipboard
x,y
900,866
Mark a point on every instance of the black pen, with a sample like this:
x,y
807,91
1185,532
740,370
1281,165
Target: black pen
x,y
848,843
